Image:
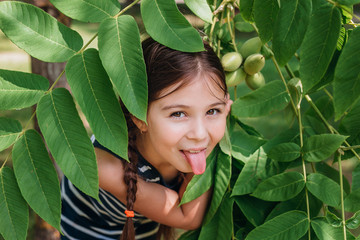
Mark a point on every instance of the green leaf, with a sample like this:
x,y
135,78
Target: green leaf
x,y
190,235
285,152
254,209
352,201
38,33
289,32
14,211
347,75
20,90
325,169
332,219
220,227
241,25
121,54
356,178
88,10
348,2
280,187
261,102
201,183
251,174
10,129
91,87
201,9
247,10
319,45
290,225
324,231
319,185
37,177
243,144
171,28
297,203
265,13
350,123
354,221
320,147
221,183
68,141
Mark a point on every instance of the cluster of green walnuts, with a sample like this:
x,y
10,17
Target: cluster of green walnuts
x,y
245,65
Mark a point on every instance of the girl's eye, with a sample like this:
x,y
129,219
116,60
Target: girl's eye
x,y
178,114
213,111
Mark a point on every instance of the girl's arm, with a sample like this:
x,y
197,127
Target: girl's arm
x,y
153,200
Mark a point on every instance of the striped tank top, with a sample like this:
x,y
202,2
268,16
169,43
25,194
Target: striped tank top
x,y
84,218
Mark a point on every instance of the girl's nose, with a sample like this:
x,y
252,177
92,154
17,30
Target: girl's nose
x,y
197,130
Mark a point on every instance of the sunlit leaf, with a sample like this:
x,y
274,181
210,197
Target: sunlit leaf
x,y
37,177
253,171
88,10
121,54
280,187
261,102
9,131
201,9
354,221
20,90
165,24
93,90
319,147
14,211
290,225
201,183
319,186
221,183
38,33
324,231
220,227
68,141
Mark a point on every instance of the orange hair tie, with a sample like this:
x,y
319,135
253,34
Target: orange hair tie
x,y
129,213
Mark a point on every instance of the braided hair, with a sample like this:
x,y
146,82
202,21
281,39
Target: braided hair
x,y
164,67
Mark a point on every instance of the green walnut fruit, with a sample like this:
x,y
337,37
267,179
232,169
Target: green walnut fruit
x,y
231,61
255,81
250,46
236,77
254,63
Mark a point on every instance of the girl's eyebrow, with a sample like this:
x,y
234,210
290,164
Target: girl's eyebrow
x,y
186,106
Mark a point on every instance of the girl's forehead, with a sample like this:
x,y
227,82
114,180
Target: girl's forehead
x,y
204,82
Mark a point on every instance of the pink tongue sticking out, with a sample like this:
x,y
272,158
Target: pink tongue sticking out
x,y
197,161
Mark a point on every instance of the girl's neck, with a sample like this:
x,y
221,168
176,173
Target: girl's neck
x,y
167,171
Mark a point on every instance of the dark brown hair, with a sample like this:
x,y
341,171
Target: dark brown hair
x,y
165,67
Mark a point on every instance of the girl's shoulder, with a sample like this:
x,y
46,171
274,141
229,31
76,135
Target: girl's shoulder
x,y
111,173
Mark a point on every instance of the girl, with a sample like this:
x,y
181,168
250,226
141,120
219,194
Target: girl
x,y
188,105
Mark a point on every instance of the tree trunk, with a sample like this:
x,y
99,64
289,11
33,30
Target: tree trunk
x,y
51,71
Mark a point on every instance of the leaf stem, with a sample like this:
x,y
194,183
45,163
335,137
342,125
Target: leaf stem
x,y
286,87
57,79
338,156
329,127
349,148
304,168
231,29
126,8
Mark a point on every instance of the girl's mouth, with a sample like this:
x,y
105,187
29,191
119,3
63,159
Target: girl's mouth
x,y
196,159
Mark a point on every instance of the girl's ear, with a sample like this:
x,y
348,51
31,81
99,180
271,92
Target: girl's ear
x,y
141,125
229,102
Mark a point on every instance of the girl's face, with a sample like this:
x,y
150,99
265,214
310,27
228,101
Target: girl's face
x,y
184,126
